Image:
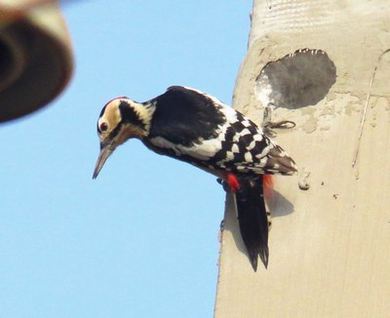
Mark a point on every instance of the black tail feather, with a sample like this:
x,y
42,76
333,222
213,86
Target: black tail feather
x,y
252,219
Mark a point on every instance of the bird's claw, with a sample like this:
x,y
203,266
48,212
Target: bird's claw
x,y
224,184
282,124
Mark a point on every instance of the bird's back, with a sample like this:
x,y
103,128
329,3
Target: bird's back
x,y
197,128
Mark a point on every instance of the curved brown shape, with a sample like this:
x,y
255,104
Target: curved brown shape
x,y
35,64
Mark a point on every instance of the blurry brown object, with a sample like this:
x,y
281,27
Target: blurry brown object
x,y
35,56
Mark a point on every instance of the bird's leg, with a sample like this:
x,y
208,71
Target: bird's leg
x,y
269,126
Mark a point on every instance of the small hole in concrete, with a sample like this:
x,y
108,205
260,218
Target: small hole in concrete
x,y
296,80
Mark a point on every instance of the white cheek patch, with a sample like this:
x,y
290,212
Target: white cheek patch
x,y
111,115
110,118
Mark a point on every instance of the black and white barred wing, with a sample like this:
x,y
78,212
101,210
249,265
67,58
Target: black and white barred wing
x,y
197,128
244,148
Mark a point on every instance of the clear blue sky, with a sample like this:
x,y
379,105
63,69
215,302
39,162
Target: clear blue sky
x,y
142,239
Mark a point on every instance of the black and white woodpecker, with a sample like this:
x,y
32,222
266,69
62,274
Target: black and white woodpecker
x,y
186,124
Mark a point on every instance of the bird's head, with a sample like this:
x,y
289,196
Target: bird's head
x,y
121,119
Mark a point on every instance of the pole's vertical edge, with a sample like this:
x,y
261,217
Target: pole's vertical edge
x,y
329,244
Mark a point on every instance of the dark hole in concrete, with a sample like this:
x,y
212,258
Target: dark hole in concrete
x,y
296,80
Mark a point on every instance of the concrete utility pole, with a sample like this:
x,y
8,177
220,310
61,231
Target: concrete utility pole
x,y
329,244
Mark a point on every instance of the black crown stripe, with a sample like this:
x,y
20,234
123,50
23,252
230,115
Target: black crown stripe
x,y
129,115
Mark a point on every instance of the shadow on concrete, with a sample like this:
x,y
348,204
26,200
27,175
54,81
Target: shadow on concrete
x,y
279,205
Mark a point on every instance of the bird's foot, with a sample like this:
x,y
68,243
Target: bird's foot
x,y
282,124
224,184
269,126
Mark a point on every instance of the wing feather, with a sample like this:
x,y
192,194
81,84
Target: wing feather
x,y
195,127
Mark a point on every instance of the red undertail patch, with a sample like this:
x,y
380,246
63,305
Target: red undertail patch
x,y
232,181
268,184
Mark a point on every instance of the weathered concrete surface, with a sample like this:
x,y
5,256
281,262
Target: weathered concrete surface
x,y
329,245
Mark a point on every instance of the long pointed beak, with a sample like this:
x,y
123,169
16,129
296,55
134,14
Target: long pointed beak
x,y
105,152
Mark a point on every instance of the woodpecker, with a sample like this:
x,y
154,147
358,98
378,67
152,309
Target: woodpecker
x,y
191,126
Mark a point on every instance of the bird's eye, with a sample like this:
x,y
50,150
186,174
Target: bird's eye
x,y
103,127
